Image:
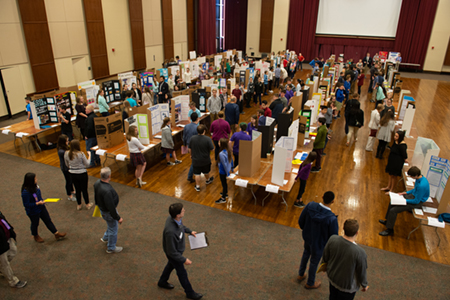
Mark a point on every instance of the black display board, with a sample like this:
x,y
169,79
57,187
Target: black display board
x,y
67,99
200,97
267,139
284,121
46,110
305,97
112,91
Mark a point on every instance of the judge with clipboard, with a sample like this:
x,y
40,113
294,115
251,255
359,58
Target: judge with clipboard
x,y
174,246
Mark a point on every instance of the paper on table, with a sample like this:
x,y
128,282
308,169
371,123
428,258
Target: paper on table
x,y
237,172
6,127
435,222
121,157
294,170
6,131
95,148
199,241
232,176
241,182
429,210
285,182
100,152
52,200
158,136
272,188
181,125
429,200
406,164
306,142
313,137
54,125
418,211
21,134
397,199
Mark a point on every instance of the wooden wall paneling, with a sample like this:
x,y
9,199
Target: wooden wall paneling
x,y
447,55
167,22
39,44
137,34
265,34
96,37
191,24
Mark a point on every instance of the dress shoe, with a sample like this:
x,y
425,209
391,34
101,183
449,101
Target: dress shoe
x,y
166,285
315,286
384,222
300,278
387,232
38,239
194,296
59,235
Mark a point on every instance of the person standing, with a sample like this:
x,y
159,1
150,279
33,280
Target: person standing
x,y
318,224
214,105
219,129
163,90
66,125
319,144
225,166
346,263
398,155
303,174
277,74
137,93
223,98
102,105
174,245
107,199
200,147
63,146
367,62
236,92
373,126
167,144
8,251
242,134
193,109
250,92
35,208
137,159
387,126
355,122
232,114
90,136
81,115
189,131
28,108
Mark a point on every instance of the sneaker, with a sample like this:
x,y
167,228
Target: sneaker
x,y
20,284
299,204
197,188
103,241
170,163
177,162
220,201
210,180
315,170
117,250
221,195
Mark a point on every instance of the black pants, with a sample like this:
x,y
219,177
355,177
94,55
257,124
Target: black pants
x,y
381,147
336,294
223,180
216,150
105,114
181,273
248,97
301,190
80,181
45,218
241,106
393,210
69,185
270,85
68,133
359,89
277,82
236,159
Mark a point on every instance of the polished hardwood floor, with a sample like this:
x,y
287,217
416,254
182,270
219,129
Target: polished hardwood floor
x,y
353,174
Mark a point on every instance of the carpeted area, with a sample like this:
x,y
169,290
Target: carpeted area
x,y
247,258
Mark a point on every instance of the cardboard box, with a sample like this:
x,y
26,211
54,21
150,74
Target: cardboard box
x,y
109,131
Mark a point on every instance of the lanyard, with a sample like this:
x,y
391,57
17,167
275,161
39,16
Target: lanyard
x,y
6,224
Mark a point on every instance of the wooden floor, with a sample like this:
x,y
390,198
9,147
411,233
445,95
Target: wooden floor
x,y
353,174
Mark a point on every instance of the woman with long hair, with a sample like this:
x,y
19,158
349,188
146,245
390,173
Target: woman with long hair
x,y
102,105
147,96
167,144
303,174
225,166
81,114
126,108
35,208
387,125
252,125
136,157
77,162
397,158
63,146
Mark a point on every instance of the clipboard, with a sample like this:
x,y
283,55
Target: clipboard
x,y
202,241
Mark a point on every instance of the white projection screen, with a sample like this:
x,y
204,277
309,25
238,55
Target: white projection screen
x,y
378,18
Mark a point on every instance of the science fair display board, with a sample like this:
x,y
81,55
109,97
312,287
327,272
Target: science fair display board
x,y
112,91
437,175
249,157
147,79
91,90
44,110
141,122
69,99
180,109
159,112
282,160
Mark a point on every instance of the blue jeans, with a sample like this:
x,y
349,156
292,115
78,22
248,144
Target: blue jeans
x,y
191,172
315,256
112,230
92,142
155,99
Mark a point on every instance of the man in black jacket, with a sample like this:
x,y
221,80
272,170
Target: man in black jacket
x,y
138,94
8,251
163,90
250,91
90,136
174,246
106,199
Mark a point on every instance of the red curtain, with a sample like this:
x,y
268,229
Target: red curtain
x,y
302,27
206,27
236,24
414,29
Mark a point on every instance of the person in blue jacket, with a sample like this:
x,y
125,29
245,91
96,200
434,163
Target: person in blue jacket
x,y
225,166
339,98
414,199
318,223
35,208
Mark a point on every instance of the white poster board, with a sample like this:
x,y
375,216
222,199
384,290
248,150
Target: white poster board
x,y
400,100
423,151
194,69
405,101
207,82
192,55
159,112
201,60
217,61
141,122
293,131
278,168
288,144
408,119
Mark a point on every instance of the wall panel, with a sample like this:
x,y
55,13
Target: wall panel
x,y
266,27
167,22
137,34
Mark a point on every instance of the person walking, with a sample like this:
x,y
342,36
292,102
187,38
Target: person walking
x,y
225,166
219,129
107,199
318,224
63,146
200,147
319,144
346,263
214,105
8,250
373,126
355,122
387,126
303,174
232,114
174,245
137,159
35,208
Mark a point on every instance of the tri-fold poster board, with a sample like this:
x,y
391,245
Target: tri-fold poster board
x,y
437,176
44,111
180,109
158,112
250,156
91,90
112,91
282,159
141,122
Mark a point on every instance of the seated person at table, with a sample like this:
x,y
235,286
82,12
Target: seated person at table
x,y
193,109
261,117
130,99
414,199
242,134
266,109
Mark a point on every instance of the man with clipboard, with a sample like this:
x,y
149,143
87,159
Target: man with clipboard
x,y
174,246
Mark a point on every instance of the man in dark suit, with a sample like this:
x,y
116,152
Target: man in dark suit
x,y
163,90
367,62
